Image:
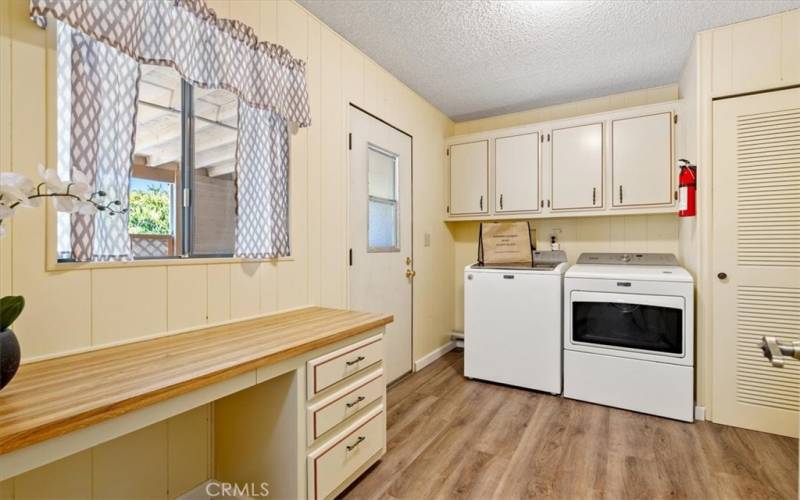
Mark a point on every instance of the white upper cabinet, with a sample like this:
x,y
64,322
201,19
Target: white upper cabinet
x,y
577,167
469,178
517,173
641,161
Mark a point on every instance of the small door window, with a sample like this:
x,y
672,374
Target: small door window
x,y
382,214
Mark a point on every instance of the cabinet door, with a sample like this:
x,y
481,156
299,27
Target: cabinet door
x,y
641,160
516,164
469,178
577,167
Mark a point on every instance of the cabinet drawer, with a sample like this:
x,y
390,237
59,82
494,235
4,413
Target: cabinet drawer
x,y
331,411
335,462
327,370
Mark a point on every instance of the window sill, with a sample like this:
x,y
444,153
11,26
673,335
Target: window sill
x,y
198,261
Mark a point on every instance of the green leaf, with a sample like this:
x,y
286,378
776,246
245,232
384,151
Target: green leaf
x,y
10,309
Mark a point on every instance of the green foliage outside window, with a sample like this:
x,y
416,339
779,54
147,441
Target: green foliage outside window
x,y
149,211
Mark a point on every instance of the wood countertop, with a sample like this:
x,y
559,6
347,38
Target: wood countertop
x,y
53,397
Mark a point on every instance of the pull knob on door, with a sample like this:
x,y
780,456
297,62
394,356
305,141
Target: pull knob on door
x,y
722,276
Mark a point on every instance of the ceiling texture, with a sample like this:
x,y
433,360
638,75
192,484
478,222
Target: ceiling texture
x,y
473,59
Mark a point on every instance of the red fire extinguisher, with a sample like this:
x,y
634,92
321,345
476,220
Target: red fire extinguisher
x,y
687,189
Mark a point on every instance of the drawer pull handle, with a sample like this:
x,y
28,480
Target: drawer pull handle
x,y
358,442
358,400
360,358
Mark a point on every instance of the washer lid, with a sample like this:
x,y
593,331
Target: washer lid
x,y
629,272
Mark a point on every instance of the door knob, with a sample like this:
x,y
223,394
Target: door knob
x,y
774,350
722,276
410,273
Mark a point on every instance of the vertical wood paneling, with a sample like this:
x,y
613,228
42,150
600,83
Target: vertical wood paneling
x,y
790,49
352,75
759,68
218,292
246,11
292,275
333,237
245,289
270,285
188,450
128,303
5,137
187,297
313,209
74,479
268,14
132,466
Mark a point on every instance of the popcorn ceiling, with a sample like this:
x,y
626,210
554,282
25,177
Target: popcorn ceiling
x,y
481,58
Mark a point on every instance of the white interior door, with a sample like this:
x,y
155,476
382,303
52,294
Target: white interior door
x,y
577,167
516,169
381,265
756,258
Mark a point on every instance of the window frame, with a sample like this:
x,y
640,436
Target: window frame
x,y
386,201
55,264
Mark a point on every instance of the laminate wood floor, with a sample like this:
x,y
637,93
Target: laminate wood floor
x,y
449,437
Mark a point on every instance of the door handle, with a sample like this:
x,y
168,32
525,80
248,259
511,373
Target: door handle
x,y
594,196
501,201
774,350
410,273
722,276
620,193
481,203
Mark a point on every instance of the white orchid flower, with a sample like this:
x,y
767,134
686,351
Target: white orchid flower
x,y
80,185
86,208
14,188
66,204
52,180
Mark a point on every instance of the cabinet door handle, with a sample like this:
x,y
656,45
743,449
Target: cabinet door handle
x,y
481,203
542,204
548,203
594,196
354,361
353,403
360,440
501,201
620,193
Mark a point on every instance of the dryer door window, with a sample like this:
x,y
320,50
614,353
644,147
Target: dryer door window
x,y
628,322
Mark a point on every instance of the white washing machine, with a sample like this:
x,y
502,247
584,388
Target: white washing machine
x,y
629,333
512,323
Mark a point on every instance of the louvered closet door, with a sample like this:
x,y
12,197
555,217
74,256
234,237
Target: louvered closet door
x,y
757,245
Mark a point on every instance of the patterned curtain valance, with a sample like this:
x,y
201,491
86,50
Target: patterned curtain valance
x,y
206,50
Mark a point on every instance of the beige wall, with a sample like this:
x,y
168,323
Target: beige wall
x,y
77,309
633,233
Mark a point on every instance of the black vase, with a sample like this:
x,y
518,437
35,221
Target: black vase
x,y
9,357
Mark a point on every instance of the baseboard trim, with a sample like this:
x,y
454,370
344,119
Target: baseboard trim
x,y
433,355
700,413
